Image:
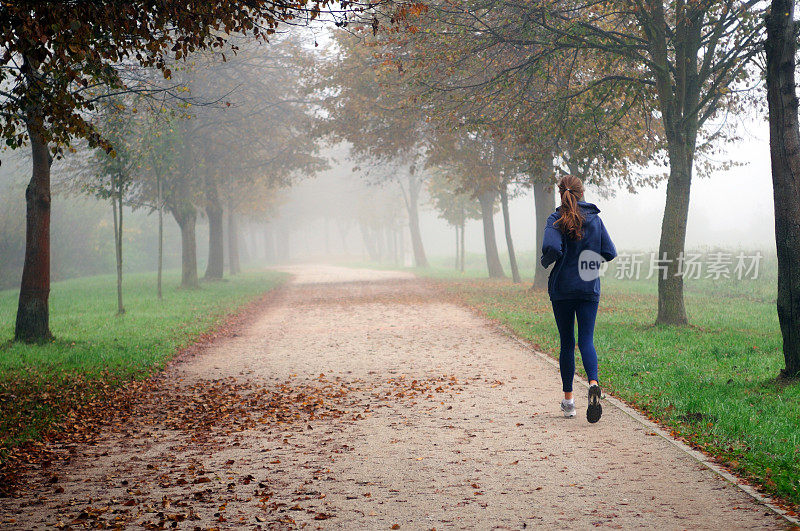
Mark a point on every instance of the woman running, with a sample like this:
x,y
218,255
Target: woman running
x,y
576,240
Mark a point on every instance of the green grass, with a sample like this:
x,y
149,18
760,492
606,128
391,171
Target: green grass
x,y
95,350
714,383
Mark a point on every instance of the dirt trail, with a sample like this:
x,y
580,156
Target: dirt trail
x,y
404,411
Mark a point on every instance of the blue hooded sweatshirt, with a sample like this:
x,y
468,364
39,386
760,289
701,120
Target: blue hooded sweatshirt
x,y
572,276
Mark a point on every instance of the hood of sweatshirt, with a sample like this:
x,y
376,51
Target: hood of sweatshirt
x,y
589,210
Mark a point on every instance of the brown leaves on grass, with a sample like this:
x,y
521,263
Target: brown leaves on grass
x,y
29,399
53,405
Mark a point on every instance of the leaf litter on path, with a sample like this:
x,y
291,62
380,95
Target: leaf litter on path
x,y
167,424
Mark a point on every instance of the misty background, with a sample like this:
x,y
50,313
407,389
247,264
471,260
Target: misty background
x,y
731,209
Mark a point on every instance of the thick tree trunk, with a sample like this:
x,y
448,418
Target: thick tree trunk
x,y
543,204
33,317
486,200
679,96
671,309
462,254
116,203
186,218
412,205
233,244
216,245
784,141
512,257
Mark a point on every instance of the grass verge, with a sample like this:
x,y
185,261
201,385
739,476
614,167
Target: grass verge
x,y
96,351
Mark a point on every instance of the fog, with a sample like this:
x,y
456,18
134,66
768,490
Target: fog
x,y
729,209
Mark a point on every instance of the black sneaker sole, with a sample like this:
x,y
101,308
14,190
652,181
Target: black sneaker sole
x,y
595,410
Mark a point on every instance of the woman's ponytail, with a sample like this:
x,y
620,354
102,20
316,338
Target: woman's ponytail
x,y
571,221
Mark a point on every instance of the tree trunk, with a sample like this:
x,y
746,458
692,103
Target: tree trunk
x,y
186,217
391,244
460,241
116,203
507,227
242,245
544,205
185,214
401,244
369,242
216,245
784,141
671,309
679,94
414,185
486,200
382,249
233,244
33,317
458,254
160,235
463,253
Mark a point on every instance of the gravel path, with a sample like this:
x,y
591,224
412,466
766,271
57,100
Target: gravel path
x,y
402,412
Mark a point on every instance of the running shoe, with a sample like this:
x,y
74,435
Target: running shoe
x,y
595,410
568,408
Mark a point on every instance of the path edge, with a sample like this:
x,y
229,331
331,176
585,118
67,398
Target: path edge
x,y
762,499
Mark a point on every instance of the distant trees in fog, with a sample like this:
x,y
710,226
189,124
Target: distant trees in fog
x,y
61,58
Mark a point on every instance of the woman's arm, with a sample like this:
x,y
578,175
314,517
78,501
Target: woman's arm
x,y
553,243
607,249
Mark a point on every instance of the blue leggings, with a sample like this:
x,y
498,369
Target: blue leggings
x,y
565,313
